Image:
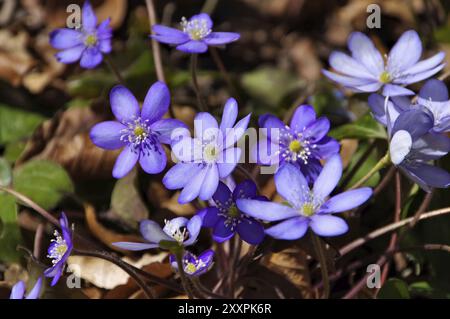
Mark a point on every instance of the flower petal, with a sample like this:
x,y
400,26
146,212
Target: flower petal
x,y
193,226
107,135
205,125
222,231
400,146
250,231
193,47
328,178
326,148
347,80
395,90
34,293
413,78
427,176
210,183
291,185
179,175
415,121
169,130
228,160
90,58
347,200
192,189
245,189
65,38
125,162
264,210
364,51
304,116
134,246
291,229
88,17
156,102
153,161
220,38
123,104
426,64
203,18
328,225
70,55
223,196
405,52
152,232
210,216
18,290
434,90
168,35
229,116
347,65
234,134
317,130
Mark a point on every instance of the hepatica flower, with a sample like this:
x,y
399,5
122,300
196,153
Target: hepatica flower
x,y
196,35
87,44
59,250
367,71
306,207
139,132
434,97
303,144
208,156
193,265
18,290
227,220
179,232
413,143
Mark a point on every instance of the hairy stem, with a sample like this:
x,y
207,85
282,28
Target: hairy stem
x,y
318,247
383,162
114,70
184,280
201,104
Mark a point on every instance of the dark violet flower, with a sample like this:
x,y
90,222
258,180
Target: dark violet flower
x,y
59,250
87,44
226,219
412,142
139,132
303,144
180,231
434,96
193,265
196,35
207,157
18,290
366,71
306,207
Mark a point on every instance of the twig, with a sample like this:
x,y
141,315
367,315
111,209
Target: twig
x,y
425,203
388,228
194,61
155,45
114,70
38,241
219,63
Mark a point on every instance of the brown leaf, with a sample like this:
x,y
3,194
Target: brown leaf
x,y
348,149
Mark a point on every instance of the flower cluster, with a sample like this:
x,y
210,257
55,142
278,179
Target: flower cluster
x,y
18,290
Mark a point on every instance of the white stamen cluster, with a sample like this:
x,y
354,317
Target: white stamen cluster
x,y
191,266
139,135
57,249
310,205
197,29
294,147
180,234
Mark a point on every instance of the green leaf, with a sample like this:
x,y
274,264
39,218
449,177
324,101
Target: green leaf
x,y
16,124
126,201
368,164
5,172
364,128
13,150
394,289
45,182
270,85
10,235
442,35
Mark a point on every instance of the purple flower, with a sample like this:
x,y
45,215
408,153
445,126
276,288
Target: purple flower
x,y
87,44
59,250
306,207
207,157
18,290
366,71
413,143
196,36
139,132
226,219
180,231
193,265
434,97
303,144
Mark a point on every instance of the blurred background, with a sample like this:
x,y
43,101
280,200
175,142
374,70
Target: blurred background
x,y
47,109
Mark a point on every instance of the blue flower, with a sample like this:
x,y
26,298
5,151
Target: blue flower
x,y
226,219
303,144
196,36
366,71
87,44
139,132
306,207
59,250
434,97
207,157
413,143
193,265
180,231
18,290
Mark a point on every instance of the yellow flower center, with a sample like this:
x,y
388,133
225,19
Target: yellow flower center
x,y
233,212
190,268
61,249
385,77
308,209
90,40
210,153
139,131
295,146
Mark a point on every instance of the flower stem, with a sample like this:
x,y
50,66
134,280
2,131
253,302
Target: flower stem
x,y
219,63
194,62
114,70
383,162
184,280
323,264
